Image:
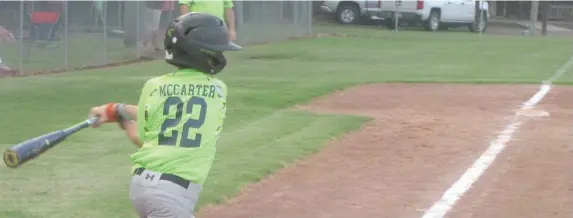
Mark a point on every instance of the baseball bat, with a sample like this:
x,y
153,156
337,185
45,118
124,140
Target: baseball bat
x,y
29,149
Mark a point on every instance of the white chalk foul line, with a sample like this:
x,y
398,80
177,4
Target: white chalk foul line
x,y
460,187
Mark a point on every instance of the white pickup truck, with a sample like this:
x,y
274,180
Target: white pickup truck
x,y
432,15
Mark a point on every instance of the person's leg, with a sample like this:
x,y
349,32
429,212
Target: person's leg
x,y
99,19
148,30
137,195
157,198
4,69
160,31
174,201
156,19
57,7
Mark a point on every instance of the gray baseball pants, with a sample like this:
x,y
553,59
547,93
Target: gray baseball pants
x,y
153,197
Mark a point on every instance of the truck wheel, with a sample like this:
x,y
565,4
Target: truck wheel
x,y
348,14
479,25
433,22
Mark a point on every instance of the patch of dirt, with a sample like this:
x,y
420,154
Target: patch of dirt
x,y
422,138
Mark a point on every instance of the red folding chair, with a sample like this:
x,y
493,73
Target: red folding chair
x,y
43,24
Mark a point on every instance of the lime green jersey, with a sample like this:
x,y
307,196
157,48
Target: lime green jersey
x,y
214,7
180,116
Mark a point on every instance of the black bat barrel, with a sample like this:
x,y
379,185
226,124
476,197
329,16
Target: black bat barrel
x,y
27,150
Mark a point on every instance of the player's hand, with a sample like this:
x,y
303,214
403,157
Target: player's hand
x,y
100,112
232,35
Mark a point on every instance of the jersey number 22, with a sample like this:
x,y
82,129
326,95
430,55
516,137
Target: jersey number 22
x,y
190,123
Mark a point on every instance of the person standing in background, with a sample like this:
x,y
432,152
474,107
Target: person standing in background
x,y
167,16
97,9
58,7
4,69
151,19
5,37
220,8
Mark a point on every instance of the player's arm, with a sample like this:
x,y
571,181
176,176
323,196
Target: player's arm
x,y
112,112
132,117
130,128
124,114
127,115
128,122
127,111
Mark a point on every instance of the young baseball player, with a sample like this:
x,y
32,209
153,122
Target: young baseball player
x,y
220,8
177,120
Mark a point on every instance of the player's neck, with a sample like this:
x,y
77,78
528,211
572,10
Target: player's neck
x,y
185,69
188,70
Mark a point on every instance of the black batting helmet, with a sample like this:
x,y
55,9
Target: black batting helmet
x,y
198,40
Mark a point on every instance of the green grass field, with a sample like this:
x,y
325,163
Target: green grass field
x,y
88,175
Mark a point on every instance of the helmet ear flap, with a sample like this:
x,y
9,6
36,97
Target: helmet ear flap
x,y
216,62
171,37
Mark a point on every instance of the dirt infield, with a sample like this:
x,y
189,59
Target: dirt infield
x,y
422,139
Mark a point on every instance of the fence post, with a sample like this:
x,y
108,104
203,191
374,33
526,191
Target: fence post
x,y
397,5
545,13
66,35
138,31
238,13
283,11
533,17
477,12
21,39
119,16
481,14
296,8
104,24
310,16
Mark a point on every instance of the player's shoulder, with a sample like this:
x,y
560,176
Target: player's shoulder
x,y
218,82
220,86
153,80
158,80
151,85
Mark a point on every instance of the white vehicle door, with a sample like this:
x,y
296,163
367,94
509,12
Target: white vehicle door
x,y
451,10
373,6
467,11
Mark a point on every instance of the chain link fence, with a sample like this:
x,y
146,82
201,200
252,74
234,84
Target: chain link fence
x,y
40,36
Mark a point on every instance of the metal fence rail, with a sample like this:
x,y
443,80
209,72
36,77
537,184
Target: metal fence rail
x,y
93,33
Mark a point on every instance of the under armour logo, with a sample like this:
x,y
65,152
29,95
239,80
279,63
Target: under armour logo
x,y
148,176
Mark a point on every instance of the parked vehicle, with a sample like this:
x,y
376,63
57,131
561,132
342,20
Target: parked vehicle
x,y
432,15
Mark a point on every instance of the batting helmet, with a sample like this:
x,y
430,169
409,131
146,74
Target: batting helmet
x,y
198,40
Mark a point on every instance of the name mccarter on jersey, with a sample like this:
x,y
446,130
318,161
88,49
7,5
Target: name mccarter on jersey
x,y
187,89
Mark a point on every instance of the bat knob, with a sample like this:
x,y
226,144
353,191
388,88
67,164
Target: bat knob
x,y
11,159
